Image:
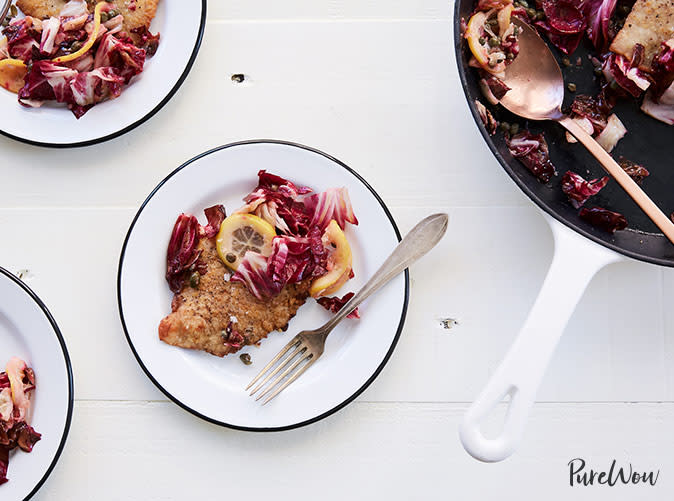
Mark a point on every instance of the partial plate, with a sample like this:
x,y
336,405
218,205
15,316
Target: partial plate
x,y
28,331
181,25
211,387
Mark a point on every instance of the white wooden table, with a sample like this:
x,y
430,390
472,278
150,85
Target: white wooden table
x,y
374,83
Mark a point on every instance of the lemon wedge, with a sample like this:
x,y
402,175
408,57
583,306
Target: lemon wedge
x,y
240,233
339,262
12,73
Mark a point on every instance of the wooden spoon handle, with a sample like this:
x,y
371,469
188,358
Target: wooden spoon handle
x,y
611,166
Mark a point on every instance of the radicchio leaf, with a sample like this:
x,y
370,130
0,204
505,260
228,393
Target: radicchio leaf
x,y
598,30
215,216
619,69
254,274
595,109
604,219
662,69
333,203
634,170
4,464
334,304
182,253
532,151
22,38
578,189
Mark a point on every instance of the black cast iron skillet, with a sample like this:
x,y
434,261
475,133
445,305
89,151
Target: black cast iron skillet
x,y
647,142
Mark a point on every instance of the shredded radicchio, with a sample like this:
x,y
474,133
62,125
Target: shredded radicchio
x,y
16,386
334,304
579,190
301,217
95,76
182,255
604,219
532,151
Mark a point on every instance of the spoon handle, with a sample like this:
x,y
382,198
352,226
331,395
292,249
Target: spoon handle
x,y
611,166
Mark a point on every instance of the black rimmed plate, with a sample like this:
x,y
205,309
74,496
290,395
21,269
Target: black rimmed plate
x,y
28,331
181,25
212,387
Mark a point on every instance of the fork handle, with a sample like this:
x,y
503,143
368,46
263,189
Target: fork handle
x,y
421,239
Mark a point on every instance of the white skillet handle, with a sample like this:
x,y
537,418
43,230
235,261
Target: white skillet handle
x,y
575,262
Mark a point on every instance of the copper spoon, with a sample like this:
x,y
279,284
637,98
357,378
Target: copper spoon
x,y
537,92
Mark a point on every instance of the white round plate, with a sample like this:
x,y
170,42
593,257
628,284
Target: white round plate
x,y
28,331
181,25
212,387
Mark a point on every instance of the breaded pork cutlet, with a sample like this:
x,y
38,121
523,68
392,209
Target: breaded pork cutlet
x,y
137,13
650,23
214,316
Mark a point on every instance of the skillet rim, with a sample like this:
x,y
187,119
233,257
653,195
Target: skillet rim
x,y
458,52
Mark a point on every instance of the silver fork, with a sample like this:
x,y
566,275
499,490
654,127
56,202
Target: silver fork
x,y
307,346
4,8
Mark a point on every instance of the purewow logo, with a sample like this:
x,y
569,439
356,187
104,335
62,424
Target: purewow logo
x,y
578,475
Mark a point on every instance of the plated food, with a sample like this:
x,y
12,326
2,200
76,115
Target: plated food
x,y
632,58
36,390
118,108
241,276
17,384
74,53
212,387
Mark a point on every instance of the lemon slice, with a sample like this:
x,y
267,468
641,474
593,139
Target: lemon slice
x,y
339,262
12,73
240,233
90,42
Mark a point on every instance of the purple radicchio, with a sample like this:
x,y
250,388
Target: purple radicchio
x,y
532,151
580,190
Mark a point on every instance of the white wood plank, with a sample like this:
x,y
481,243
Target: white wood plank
x,y
330,10
486,273
156,451
360,91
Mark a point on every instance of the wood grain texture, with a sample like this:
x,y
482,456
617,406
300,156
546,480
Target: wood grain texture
x,y
374,83
156,451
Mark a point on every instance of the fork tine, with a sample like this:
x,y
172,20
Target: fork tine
x,y
312,359
285,373
292,343
282,364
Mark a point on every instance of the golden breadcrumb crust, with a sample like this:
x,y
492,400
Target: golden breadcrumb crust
x,y
201,315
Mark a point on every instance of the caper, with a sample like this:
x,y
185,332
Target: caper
x,y
492,63
566,61
516,30
540,15
245,358
13,11
505,127
76,45
598,71
572,87
494,41
230,257
112,13
482,40
510,56
523,3
531,13
104,17
514,128
5,22
194,280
